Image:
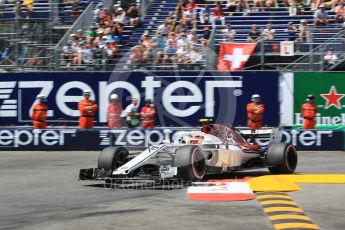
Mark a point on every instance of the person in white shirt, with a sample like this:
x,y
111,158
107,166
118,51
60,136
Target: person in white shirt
x,y
229,34
268,33
190,17
330,58
132,114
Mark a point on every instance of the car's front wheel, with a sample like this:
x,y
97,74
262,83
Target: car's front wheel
x,y
191,163
112,157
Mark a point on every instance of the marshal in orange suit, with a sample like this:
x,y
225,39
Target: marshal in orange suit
x,y
87,109
255,112
309,111
39,113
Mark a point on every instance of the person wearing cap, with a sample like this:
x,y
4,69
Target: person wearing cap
x,y
255,111
309,111
39,113
321,16
132,114
87,109
114,112
147,114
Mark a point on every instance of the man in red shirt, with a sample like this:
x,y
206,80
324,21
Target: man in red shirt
x,y
147,114
309,111
218,14
87,109
39,113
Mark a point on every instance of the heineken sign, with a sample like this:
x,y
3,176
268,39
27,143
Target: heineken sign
x,y
329,92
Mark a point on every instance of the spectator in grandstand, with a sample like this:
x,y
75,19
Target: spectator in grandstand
x,y
191,4
147,114
258,5
181,27
66,54
132,114
268,33
87,53
134,15
270,4
111,53
218,14
255,111
339,12
299,7
303,28
179,10
330,58
77,7
309,110
243,7
205,35
119,16
232,6
29,5
170,49
321,16
87,109
314,5
138,55
229,34
164,28
114,112
194,58
39,113
190,16
291,31
205,14
292,7
254,34
99,12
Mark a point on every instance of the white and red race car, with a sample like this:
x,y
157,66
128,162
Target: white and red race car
x,y
215,149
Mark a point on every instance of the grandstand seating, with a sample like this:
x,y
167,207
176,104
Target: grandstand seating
x,y
241,22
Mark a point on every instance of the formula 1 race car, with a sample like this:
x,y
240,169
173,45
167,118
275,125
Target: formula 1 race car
x,y
215,149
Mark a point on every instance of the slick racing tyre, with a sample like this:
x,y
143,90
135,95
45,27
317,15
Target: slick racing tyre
x,y
191,163
112,157
281,158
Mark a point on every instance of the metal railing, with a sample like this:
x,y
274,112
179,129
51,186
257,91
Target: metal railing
x,y
314,59
211,56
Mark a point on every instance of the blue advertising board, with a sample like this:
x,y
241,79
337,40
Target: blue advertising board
x,y
99,138
181,98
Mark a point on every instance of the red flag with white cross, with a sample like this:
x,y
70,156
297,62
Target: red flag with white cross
x,y
233,56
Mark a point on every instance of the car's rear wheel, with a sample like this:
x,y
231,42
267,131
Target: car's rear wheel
x,y
281,158
191,163
112,157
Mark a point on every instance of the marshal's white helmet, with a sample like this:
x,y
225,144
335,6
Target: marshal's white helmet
x,y
256,97
114,97
40,96
86,92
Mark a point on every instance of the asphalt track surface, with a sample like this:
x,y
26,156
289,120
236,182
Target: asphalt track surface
x,y
39,190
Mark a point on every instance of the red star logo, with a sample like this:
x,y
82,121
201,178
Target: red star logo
x,y
333,98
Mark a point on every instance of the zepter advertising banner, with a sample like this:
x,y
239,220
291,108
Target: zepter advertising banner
x,y
181,98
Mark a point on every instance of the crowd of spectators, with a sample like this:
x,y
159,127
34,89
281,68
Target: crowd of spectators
x,y
99,47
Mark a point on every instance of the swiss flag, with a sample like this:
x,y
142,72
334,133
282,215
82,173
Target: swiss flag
x,y
233,56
